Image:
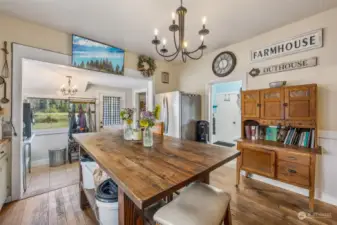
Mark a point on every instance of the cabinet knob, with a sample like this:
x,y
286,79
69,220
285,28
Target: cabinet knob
x,y
285,104
259,105
2,152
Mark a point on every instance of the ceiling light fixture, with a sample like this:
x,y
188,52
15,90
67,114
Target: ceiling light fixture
x,y
68,90
182,45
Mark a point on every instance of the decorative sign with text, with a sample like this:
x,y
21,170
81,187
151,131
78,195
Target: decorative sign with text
x,y
303,42
294,65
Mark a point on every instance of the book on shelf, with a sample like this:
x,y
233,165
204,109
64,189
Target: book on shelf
x,y
271,134
252,132
300,137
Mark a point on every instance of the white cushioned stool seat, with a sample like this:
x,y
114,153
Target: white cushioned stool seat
x,y
197,204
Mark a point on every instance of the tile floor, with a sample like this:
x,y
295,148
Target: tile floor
x,y
43,179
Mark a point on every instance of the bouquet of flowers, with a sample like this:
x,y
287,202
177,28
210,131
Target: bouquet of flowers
x,y
126,114
148,118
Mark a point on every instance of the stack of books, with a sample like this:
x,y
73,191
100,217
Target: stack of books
x,y
300,137
252,132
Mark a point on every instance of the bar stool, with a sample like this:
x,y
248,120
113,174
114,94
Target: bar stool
x,y
197,204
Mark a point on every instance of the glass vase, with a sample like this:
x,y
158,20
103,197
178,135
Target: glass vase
x,y
128,133
147,137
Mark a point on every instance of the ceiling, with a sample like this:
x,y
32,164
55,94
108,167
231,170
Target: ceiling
x,y
129,24
38,75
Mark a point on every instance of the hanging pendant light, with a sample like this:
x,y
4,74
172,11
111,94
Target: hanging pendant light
x,y
182,45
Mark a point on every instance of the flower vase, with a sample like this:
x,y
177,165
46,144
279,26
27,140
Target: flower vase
x,y
147,137
128,133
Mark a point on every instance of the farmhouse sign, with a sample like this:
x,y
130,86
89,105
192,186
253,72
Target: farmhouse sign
x,y
294,65
303,42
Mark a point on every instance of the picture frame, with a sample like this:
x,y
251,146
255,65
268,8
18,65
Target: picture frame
x,y
93,55
165,77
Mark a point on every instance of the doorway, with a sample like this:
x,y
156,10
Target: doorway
x,y
226,113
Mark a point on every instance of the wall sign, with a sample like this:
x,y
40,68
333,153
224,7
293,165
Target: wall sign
x,y
303,42
293,65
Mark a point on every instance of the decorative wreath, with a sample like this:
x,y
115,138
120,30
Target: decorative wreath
x,y
146,65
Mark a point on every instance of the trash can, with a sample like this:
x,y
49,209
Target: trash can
x,y
88,169
57,156
107,202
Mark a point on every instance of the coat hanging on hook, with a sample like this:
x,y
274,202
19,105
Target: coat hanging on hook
x,y
5,68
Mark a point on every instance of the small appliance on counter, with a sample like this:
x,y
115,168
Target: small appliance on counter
x,y
202,131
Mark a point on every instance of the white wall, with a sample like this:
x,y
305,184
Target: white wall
x,y
194,76
41,144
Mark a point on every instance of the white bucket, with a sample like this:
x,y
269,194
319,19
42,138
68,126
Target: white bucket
x,y
88,169
108,213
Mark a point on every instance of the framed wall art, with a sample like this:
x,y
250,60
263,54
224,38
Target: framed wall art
x,y
93,55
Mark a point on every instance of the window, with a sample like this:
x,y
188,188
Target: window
x,y
49,113
111,110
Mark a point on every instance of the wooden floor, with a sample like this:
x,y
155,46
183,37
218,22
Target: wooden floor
x,y
43,179
253,203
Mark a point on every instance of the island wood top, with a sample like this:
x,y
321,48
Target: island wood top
x,y
148,174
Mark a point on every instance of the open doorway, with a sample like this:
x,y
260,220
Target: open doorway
x,y
140,98
226,113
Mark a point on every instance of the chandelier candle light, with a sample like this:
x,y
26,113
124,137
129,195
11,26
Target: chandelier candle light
x,y
181,46
70,90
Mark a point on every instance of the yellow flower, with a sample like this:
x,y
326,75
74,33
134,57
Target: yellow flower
x,y
129,121
144,123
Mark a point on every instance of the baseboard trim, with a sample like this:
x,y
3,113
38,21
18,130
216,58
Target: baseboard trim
x,y
40,162
321,196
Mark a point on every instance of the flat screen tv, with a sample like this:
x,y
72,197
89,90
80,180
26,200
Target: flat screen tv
x,y
93,55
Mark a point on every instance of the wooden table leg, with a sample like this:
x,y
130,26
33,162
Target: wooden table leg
x,y
238,167
128,213
205,179
312,183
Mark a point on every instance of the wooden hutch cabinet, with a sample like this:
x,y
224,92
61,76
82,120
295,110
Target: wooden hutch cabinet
x,y
291,106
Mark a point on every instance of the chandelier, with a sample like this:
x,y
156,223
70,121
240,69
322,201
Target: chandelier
x,y
68,90
181,46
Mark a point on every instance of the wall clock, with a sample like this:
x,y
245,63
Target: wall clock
x,y
224,64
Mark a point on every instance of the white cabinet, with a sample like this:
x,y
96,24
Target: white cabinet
x,y
4,174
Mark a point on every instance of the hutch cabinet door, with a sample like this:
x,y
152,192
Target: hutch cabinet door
x,y
272,101
250,102
300,102
258,161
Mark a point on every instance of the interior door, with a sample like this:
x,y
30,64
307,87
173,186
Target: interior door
x,y
250,102
300,102
272,101
110,106
227,118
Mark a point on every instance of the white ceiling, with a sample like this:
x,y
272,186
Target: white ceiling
x,y
38,75
129,24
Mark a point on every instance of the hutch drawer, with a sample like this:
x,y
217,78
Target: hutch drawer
x,y
293,157
293,173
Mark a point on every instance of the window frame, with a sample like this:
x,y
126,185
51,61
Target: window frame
x,y
48,131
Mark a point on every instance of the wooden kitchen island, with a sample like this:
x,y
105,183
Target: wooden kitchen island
x,y
146,175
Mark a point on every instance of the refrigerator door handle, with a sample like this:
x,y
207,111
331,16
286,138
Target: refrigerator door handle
x,y
167,116
165,110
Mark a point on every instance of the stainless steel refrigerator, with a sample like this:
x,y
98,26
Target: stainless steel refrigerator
x,y
179,111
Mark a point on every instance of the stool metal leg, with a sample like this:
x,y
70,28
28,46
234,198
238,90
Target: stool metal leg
x,y
228,216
